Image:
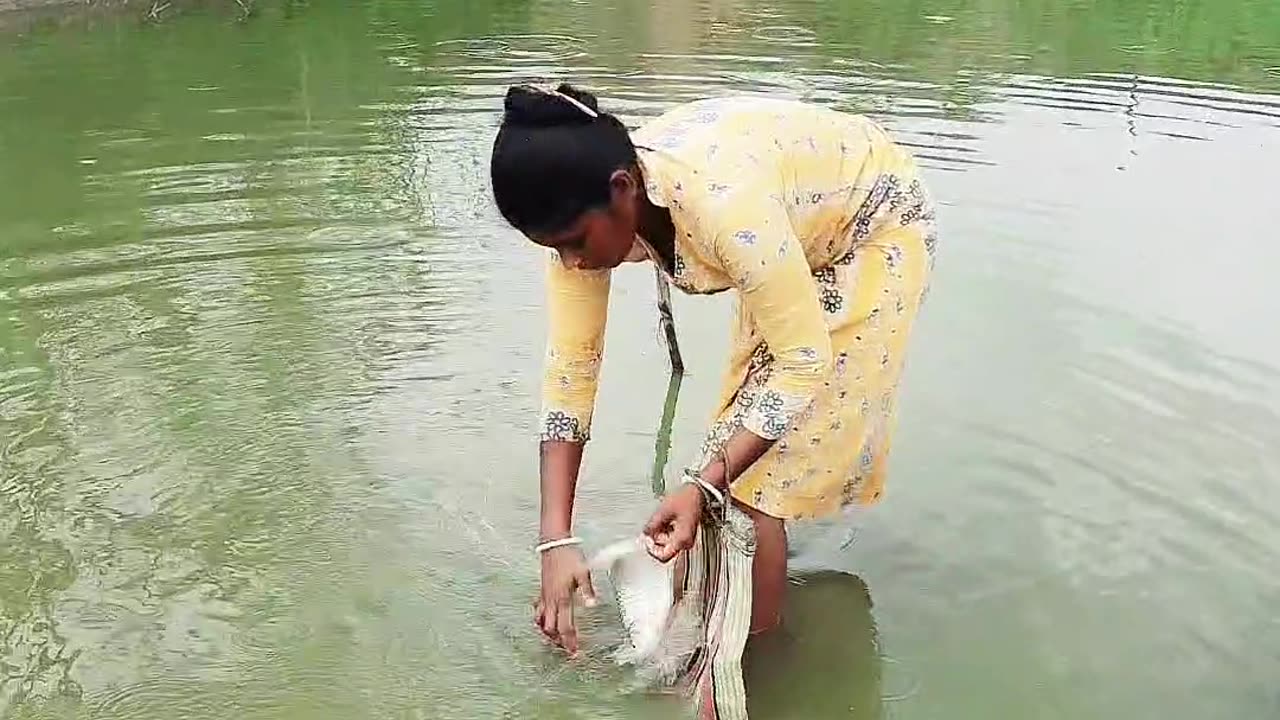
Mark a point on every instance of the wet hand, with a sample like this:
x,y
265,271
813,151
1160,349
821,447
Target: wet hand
x,y
564,573
674,525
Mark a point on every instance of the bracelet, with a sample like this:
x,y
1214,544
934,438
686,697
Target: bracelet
x,y
716,496
553,544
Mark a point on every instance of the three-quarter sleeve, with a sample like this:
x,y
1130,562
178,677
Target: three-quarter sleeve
x,y
758,249
577,307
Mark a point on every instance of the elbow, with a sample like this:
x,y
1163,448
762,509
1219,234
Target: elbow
x,y
811,363
826,358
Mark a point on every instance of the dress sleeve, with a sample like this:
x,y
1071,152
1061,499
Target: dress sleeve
x,y
577,306
757,246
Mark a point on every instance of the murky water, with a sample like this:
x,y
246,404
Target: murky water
x,y
268,361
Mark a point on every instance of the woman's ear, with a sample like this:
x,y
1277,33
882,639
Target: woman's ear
x,y
622,186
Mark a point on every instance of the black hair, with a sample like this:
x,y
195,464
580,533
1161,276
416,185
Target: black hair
x,y
552,160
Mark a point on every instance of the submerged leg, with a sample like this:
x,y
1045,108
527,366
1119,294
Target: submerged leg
x,y
768,571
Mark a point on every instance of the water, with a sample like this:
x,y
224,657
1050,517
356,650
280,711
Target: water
x,y
268,361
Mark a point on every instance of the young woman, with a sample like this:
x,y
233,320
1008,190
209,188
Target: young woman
x,y
821,224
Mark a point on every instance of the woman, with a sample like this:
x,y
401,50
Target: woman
x,y
821,224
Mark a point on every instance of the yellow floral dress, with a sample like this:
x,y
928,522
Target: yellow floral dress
x,y
822,225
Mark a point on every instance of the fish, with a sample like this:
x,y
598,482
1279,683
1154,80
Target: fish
x,y
687,621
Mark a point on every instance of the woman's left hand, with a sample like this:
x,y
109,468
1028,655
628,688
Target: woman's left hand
x,y
674,525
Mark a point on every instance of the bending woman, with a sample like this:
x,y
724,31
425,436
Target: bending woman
x,y
821,224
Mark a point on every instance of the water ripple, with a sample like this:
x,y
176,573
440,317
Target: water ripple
x,y
268,359
531,48
791,35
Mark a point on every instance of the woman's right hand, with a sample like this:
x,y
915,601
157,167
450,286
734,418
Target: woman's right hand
x,y
564,572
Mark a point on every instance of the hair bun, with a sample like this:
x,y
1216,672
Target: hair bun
x,y
530,107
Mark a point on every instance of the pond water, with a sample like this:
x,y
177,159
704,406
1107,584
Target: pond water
x,y
268,361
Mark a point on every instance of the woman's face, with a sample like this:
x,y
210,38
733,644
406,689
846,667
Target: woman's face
x,y
601,238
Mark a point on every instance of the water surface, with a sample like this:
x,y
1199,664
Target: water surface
x,y
268,361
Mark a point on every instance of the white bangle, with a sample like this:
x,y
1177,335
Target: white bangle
x,y
553,544
715,492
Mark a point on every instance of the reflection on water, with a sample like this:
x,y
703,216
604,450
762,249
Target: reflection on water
x,y
825,662
268,360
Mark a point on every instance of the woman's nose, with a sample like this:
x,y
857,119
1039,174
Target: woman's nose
x,y
570,259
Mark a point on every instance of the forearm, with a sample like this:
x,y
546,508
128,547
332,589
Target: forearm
x,y
558,467
740,452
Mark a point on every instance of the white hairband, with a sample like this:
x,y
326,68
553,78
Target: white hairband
x,y
570,99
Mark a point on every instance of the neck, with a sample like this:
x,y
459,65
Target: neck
x,y
656,227
658,230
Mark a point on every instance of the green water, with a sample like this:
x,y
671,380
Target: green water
x,y
268,361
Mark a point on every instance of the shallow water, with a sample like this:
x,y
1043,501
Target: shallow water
x,y
268,361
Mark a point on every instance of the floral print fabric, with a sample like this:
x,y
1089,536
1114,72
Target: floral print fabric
x,y
834,452
821,224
